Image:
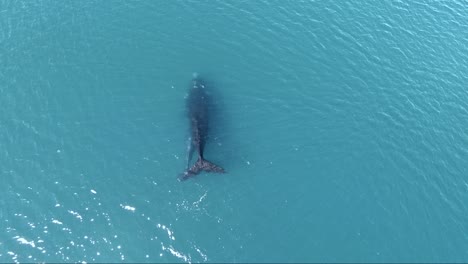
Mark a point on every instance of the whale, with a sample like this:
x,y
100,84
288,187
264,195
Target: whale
x,y
198,103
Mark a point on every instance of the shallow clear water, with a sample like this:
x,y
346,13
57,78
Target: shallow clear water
x,y
343,131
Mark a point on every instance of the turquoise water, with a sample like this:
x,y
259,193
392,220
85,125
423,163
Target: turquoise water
x,y
343,131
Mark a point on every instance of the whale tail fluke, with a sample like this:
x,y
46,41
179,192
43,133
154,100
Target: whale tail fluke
x,y
199,166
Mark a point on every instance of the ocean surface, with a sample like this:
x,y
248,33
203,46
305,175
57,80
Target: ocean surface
x,y
343,126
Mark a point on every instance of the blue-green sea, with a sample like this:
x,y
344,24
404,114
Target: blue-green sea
x,y
342,125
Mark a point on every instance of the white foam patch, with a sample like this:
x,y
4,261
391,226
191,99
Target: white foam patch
x,y
200,200
205,258
128,207
177,254
77,215
169,232
23,241
55,221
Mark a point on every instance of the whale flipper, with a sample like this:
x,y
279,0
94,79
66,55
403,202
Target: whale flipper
x,y
201,165
190,150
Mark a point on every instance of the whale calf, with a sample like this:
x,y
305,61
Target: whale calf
x,y
198,110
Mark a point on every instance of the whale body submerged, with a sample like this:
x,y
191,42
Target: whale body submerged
x,y
198,110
